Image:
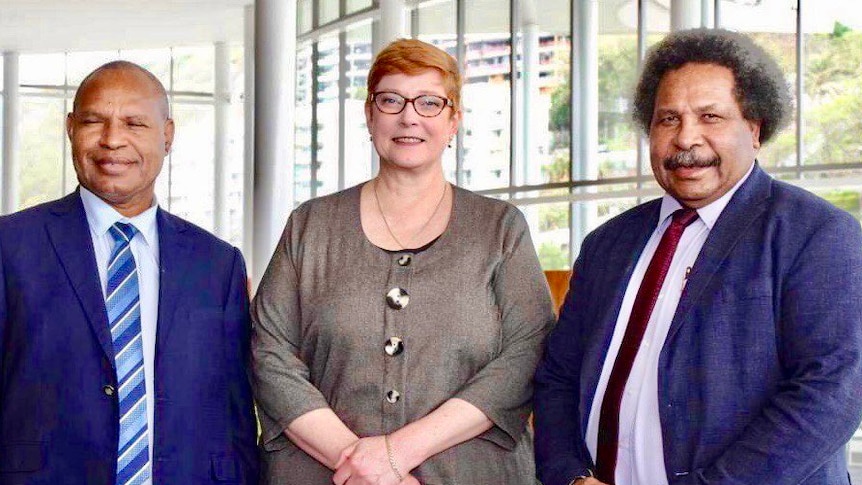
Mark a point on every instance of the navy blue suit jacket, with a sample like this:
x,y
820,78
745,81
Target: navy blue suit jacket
x,y
57,423
760,377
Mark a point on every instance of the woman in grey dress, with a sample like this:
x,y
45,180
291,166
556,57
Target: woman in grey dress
x,y
398,325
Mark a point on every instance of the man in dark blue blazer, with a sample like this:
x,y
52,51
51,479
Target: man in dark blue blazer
x,y
749,367
124,330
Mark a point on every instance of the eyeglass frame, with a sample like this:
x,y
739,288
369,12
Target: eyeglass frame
x,y
448,103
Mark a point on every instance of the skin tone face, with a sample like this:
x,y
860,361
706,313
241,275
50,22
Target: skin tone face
x,y
407,140
120,134
700,144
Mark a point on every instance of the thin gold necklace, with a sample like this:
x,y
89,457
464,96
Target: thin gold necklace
x,y
386,222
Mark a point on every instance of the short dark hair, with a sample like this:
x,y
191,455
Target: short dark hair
x,y
760,87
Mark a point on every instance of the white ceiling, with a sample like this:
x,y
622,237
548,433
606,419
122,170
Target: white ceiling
x,y
72,25
33,26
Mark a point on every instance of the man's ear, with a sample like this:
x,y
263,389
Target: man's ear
x,y
754,126
169,135
70,120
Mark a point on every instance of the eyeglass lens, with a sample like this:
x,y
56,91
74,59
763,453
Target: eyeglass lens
x,y
426,105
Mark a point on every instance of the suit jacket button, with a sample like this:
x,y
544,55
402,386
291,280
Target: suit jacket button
x,y
109,390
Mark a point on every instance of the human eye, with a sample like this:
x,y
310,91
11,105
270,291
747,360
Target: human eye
x,y
391,99
668,119
89,120
431,101
711,117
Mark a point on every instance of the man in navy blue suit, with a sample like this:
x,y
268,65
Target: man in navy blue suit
x,y
124,330
713,335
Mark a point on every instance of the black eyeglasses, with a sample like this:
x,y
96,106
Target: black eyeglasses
x,y
426,105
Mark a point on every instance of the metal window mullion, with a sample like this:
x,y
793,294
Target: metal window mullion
x,y
65,109
171,68
800,89
315,103
642,41
716,19
461,50
574,84
343,85
514,21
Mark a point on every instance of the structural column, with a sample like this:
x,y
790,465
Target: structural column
x,y
685,14
585,111
530,130
275,94
11,138
222,122
392,24
248,141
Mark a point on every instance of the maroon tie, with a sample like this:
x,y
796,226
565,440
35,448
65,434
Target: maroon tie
x,y
609,419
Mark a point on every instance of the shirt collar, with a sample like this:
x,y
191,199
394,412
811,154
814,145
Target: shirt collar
x,y
101,216
708,213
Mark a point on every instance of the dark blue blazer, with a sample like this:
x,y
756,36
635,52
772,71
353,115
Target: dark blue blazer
x,y
58,425
760,377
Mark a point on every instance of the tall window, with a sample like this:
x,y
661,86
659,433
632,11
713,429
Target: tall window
x,y
547,121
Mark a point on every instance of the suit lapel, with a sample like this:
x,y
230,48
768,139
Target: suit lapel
x,y
174,251
621,261
621,256
69,234
744,208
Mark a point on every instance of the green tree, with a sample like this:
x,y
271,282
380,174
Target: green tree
x,y
552,256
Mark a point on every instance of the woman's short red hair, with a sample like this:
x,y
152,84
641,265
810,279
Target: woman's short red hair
x,y
412,57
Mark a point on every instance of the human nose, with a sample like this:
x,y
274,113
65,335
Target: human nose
x,y
112,135
409,115
688,135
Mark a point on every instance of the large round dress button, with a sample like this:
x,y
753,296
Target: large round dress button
x,y
393,396
405,260
394,346
397,298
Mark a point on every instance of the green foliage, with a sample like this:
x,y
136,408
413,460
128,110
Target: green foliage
x,y
558,170
552,256
553,216
848,200
840,29
561,107
41,156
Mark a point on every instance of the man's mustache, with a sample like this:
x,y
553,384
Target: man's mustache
x,y
688,159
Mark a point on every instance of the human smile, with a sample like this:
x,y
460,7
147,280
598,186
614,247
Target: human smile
x,y
689,172
407,140
113,165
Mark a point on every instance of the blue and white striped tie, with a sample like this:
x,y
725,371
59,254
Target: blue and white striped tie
x,y
124,314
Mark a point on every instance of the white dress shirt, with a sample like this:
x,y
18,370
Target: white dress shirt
x,y
145,248
640,453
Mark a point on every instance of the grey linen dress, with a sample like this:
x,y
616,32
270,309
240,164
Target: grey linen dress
x,y
472,324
